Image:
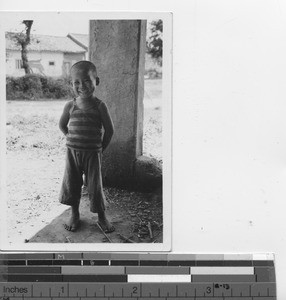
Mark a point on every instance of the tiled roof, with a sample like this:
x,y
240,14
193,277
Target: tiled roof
x,y
46,43
80,39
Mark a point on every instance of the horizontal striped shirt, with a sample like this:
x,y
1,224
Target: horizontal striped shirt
x,y
85,129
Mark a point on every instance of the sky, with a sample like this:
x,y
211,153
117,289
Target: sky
x,y
57,24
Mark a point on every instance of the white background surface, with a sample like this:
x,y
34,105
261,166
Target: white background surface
x,y
229,127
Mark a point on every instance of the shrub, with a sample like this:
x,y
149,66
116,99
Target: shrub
x,y
59,89
32,86
35,87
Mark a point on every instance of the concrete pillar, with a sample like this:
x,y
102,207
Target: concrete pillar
x,y
117,48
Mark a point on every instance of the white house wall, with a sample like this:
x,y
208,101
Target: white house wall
x,y
70,59
74,57
39,62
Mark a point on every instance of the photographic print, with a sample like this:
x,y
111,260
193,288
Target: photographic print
x,y
88,131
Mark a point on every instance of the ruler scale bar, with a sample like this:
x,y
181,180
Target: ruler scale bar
x,y
138,276
131,290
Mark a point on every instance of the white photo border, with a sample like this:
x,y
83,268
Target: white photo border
x,y
166,136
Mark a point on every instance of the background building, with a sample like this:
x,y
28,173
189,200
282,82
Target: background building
x,y
47,55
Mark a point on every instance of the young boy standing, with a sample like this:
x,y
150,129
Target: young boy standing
x,y
88,128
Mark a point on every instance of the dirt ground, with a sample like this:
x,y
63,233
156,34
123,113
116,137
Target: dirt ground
x,y
35,164
137,218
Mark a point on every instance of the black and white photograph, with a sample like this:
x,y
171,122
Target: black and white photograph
x,y
88,131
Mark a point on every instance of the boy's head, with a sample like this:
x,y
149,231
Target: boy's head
x,y
84,78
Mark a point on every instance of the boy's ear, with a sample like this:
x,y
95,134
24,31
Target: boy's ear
x,y
97,80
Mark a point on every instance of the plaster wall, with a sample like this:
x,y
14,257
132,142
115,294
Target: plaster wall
x,y
117,48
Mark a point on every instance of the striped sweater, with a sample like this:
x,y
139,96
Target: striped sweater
x,y
85,129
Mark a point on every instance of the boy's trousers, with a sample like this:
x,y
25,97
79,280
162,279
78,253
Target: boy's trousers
x,y
77,163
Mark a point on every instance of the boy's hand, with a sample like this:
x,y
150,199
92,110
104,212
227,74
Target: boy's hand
x,y
63,124
107,125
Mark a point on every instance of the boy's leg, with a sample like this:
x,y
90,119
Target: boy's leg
x,y
104,222
84,179
84,186
74,221
71,188
95,190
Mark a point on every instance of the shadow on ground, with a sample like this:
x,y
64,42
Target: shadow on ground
x,y
136,216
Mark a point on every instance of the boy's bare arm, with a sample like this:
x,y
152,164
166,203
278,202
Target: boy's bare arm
x,y
63,123
107,125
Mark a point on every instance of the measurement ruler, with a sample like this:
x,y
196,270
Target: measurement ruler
x,y
120,276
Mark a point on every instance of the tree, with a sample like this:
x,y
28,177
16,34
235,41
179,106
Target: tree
x,y
23,39
155,42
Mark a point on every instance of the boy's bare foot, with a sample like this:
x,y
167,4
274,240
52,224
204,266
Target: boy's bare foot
x,y
73,223
106,226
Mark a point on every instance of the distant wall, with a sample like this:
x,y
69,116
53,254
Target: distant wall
x,y
69,60
53,64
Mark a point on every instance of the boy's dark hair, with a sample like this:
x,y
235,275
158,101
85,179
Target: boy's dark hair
x,y
89,65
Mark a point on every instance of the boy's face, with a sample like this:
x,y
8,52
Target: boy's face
x,y
83,82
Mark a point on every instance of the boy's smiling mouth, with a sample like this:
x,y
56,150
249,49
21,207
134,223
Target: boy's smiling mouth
x,y
84,92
